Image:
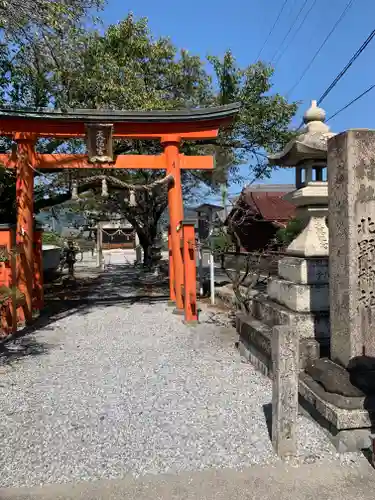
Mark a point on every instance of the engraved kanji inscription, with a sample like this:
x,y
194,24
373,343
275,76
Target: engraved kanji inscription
x,y
99,142
322,231
366,262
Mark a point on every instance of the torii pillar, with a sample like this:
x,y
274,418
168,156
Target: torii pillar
x,y
26,161
171,145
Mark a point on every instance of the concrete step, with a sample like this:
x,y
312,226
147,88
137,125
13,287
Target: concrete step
x,y
329,480
255,342
255,338
272,313
299,297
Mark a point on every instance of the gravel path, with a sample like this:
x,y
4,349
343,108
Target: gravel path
x,y
127,388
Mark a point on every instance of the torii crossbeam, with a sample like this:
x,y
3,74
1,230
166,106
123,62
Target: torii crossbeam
x,y
100,128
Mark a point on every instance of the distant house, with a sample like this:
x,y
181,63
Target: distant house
x,y
258,213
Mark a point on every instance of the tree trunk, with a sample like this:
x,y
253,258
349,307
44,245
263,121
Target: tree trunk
x,y
147,232
147,255
146,237
146,244
144,218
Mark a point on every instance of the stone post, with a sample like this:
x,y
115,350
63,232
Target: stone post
x,y
351,159
138,250
99,245
285,369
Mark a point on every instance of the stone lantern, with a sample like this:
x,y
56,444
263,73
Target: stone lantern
x,y
307,153
302,282
298,297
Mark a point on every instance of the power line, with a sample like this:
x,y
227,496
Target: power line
x,y
272,29
351,102
343,71
341,17
295,33
290,29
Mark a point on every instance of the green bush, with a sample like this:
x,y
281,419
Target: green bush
x,y
221,242
50,238
287,234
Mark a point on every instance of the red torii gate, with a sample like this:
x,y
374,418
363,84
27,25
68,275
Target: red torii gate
x,y
100,127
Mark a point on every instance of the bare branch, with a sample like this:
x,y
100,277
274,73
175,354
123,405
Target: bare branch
x,y
248,271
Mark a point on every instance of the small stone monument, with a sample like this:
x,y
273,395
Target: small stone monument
x,y
352,267
342,389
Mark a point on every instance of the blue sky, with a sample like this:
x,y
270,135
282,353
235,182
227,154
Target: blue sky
x,y
212,27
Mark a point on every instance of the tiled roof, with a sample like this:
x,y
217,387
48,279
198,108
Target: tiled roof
x,y
209,206
269,205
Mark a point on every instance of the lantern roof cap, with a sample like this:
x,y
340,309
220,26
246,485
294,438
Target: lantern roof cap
x,y
309,144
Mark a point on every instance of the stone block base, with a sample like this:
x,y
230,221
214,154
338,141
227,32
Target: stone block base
x,y
305,271
255,337
299,297
353,440
261,362
339,418
255,341
348,430
271,313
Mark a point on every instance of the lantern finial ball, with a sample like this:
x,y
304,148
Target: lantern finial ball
x,y
314,114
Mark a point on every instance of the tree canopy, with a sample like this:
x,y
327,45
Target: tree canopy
x,y
64,64
17,16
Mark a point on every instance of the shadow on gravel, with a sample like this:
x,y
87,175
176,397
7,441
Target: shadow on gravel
x,y
220,316
23,347
267,411
115,285
122,285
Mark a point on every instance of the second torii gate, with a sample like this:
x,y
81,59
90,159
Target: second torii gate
x,y
100,128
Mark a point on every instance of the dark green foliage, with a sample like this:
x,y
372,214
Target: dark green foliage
x,y
286,235
50,238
